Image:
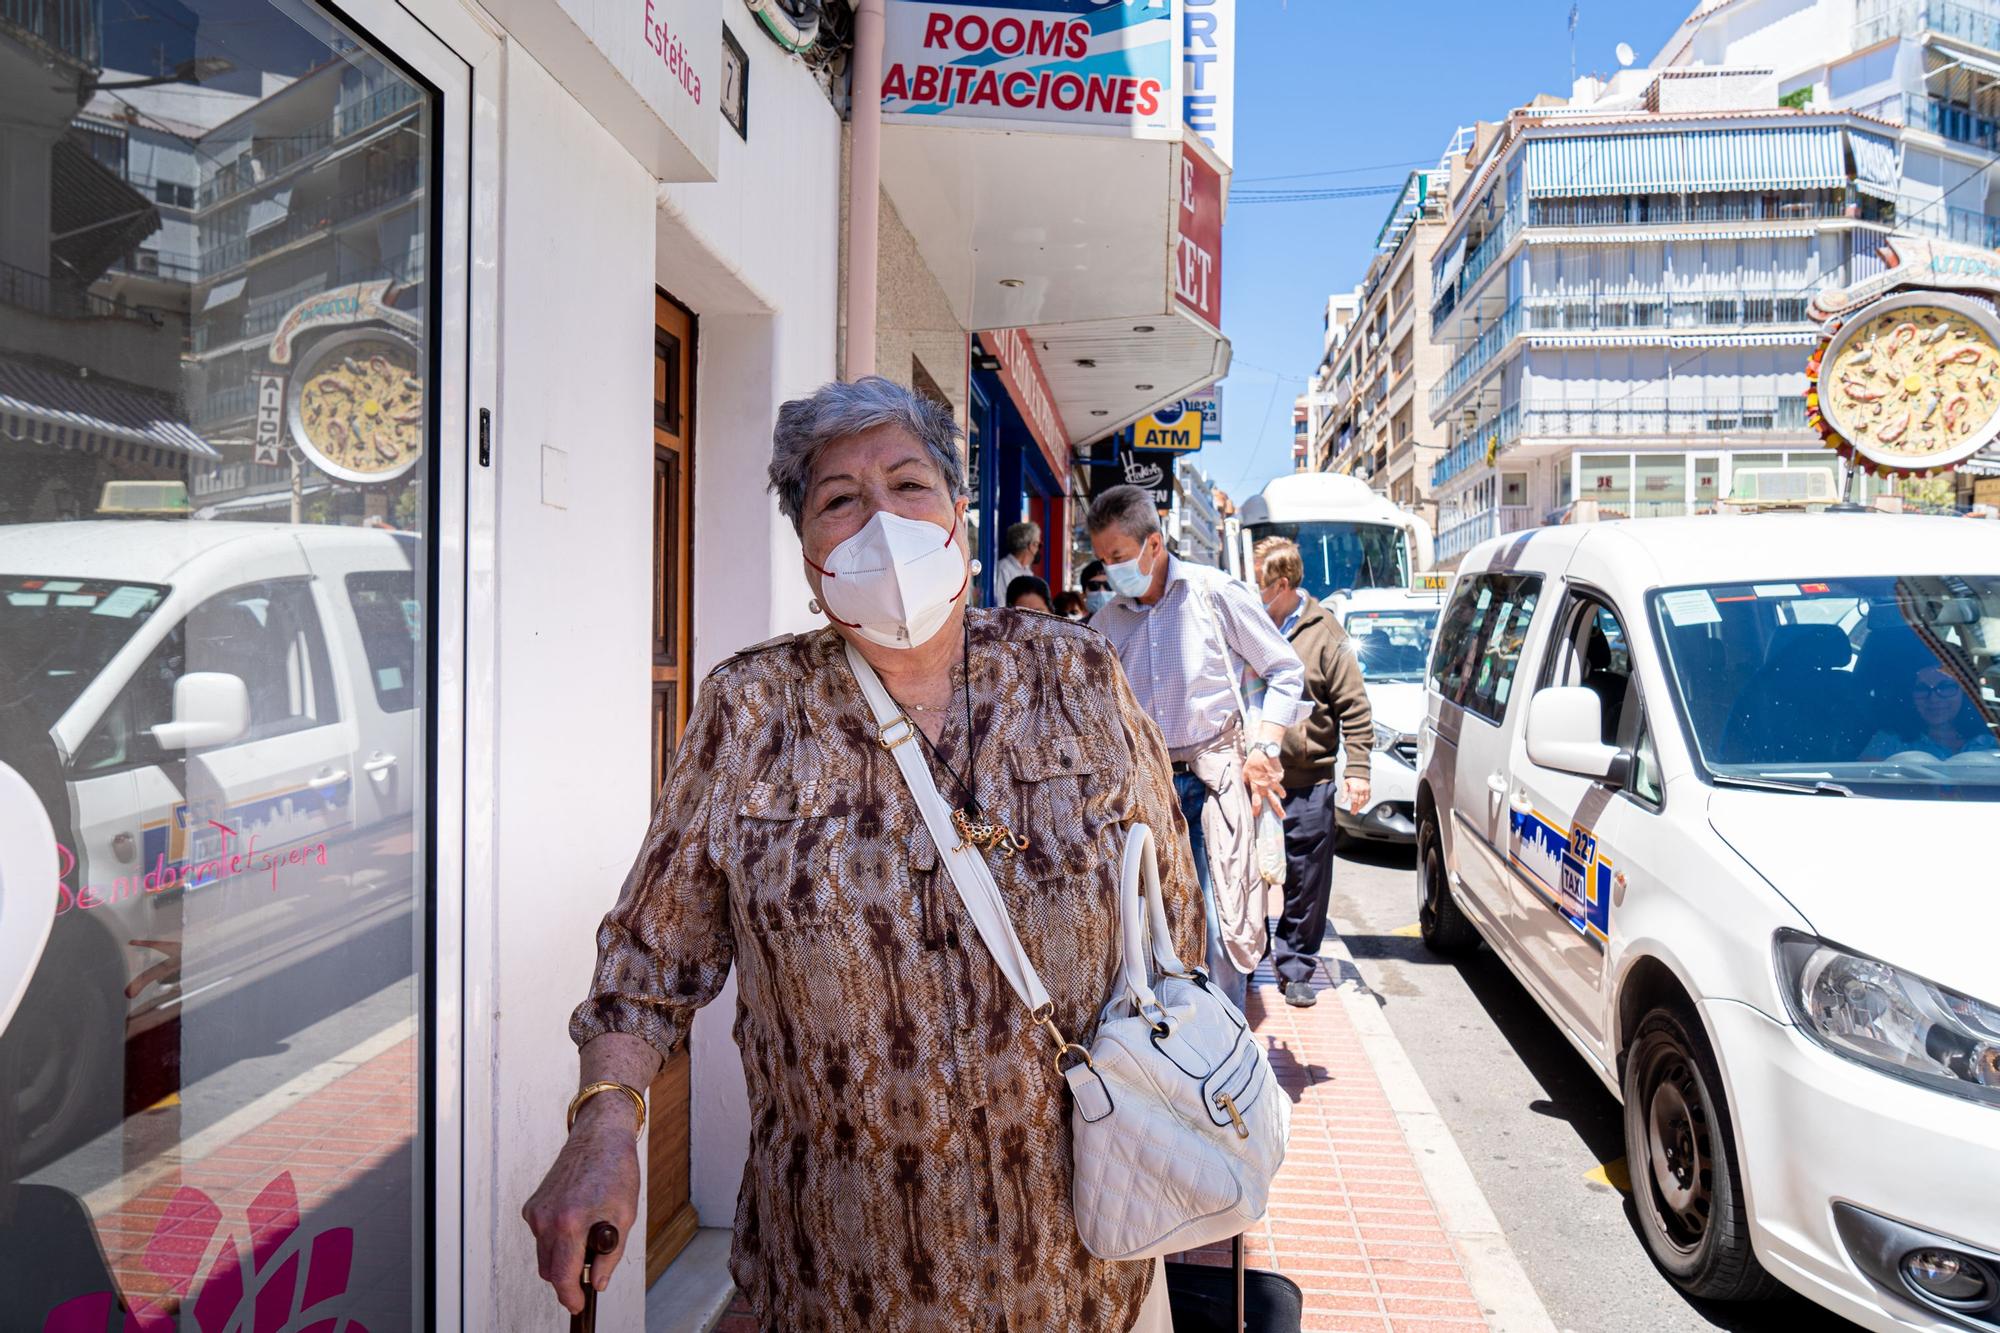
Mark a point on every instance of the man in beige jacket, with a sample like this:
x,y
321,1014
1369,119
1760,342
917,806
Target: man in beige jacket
x,y
1339,717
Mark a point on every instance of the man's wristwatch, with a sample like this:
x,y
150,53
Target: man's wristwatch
x,y
1269,749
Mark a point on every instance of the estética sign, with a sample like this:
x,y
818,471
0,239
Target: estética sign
x,y
1110,64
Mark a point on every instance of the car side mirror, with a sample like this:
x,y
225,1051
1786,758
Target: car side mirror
x,y
210,708
1565,730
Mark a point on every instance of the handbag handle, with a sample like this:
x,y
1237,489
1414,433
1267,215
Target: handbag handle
x,y
1139,883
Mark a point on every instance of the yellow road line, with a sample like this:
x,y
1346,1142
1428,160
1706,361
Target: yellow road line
x,y
1410,931
1612,1173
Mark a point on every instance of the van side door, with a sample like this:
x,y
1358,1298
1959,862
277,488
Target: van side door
x,y
1473,675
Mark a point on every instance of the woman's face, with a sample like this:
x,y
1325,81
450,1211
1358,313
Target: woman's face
x,y
855,478
1937,696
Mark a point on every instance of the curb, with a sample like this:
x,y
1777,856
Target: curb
x,y
1505,1295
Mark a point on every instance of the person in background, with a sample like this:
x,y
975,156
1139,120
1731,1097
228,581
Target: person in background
x,y
1339,718
1096,585
1184,633
1020,548
1029,593
1069,604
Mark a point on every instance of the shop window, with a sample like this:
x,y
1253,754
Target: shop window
x,y
1607,479
219,700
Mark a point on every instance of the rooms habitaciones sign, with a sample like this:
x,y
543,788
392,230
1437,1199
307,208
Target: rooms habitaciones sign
x,y
1107,64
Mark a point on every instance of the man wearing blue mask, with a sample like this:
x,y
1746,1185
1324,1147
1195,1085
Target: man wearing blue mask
x,y
1186,634
1096,585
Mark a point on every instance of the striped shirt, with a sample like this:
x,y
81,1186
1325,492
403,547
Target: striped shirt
x,y
1182,674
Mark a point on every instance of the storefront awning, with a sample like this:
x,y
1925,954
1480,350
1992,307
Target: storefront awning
x,y
39,406
1648,338
1106,374
1793,157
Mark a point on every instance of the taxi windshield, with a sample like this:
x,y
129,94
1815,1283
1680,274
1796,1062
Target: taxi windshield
x,y
56,634
1392,645
1879,686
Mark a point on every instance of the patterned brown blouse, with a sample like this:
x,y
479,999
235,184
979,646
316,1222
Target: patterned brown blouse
x,y
909,1159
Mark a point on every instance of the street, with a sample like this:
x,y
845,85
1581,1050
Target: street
x,y
1541,1133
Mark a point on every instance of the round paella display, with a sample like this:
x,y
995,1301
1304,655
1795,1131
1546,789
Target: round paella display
x,y
357,405
1911,383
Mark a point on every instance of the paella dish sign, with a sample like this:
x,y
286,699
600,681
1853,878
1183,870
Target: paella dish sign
x,y
1909,383
356,407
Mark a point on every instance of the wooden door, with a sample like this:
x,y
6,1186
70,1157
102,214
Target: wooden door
x,y
670,1219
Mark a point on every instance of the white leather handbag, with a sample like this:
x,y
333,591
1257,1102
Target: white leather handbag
x,y
1178,1125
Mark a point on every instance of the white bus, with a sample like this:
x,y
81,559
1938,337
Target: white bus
x,y
1350,537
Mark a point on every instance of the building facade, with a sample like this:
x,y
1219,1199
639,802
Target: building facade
x,y
1366,413
385,404
1622,285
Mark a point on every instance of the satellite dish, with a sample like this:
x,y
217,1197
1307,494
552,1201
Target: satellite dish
x,y
1625,56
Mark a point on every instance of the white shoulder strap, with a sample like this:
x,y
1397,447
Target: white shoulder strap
x,y
1207,588
976,889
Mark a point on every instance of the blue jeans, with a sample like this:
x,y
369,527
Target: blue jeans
x,y
1193,793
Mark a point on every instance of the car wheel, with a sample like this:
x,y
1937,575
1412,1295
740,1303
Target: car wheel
x,y
1443,926
62,1059
1682,1160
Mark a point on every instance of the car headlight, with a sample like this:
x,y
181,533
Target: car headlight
x,y
1386,738
1893,1020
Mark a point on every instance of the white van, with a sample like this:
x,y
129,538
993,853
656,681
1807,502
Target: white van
x,y
1724,793
218,717
1391,631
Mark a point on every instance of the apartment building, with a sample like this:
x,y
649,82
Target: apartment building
x,y
1622,284
1367,412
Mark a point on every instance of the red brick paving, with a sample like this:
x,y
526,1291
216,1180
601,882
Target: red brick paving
x,y
1350,1220
326,1141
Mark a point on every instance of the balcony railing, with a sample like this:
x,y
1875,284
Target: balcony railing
x,y
1474,358
1966,225
1661,416
1644,209
399,186
1475,266
263,163
31,291
1663,310
228,404
1877,20
69,26
1456,539
1500,430
1947,120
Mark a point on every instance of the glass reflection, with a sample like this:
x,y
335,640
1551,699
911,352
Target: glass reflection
x,y
215,431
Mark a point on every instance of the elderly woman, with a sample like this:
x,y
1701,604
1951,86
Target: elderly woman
x,y
909,1163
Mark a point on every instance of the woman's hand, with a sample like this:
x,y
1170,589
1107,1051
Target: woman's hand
x,y
595,1179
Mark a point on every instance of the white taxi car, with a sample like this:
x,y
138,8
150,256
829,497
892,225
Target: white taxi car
x,y
1391,631
1724,793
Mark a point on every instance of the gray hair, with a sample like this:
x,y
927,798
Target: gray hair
x,y
839,410
1127,508
1021,537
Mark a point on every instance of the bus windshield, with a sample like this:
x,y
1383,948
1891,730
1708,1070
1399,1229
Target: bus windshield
x,y
1343,556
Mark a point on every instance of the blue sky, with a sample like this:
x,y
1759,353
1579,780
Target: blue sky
x,y
1336,85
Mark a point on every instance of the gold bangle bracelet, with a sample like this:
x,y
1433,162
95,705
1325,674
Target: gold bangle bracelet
x,y
590,1090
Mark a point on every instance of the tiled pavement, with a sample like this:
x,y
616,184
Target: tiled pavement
x,y
339,1154
1350,1220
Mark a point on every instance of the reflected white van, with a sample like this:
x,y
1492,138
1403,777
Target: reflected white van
x,y
1724,794
217,718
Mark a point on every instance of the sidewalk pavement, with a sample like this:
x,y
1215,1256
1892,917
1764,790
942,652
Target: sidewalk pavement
x,y
1375,1213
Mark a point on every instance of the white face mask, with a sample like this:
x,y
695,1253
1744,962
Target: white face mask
x,y
895,581
1128,579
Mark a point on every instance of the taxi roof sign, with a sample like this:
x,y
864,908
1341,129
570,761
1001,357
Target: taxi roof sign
x,y
1431,580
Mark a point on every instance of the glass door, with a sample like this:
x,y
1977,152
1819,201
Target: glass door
x,y
232,382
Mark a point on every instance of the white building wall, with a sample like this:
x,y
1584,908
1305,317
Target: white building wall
x,y
569,793
586,232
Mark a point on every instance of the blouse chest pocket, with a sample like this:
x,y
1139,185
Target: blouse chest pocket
x,y
1056,805
792,836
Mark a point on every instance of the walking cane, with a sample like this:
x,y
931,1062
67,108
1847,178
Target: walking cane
x,y
603,1239
1236,1258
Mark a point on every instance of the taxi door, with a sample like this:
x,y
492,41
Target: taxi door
x,y
1567,831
